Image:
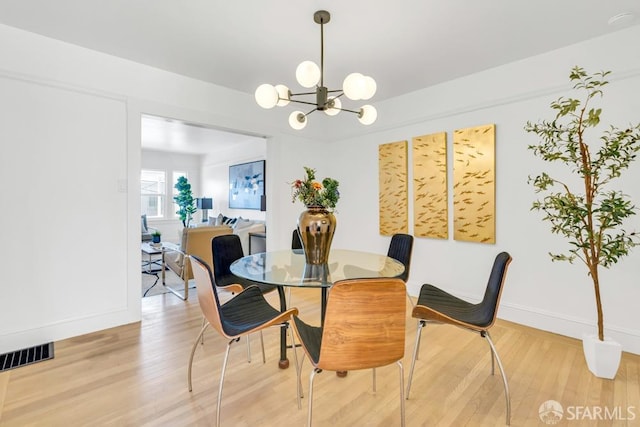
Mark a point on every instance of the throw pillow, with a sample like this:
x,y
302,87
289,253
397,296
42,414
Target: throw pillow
x,y
237,221
229,221
245,223
219,219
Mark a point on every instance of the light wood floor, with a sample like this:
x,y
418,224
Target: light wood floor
x,y
135,375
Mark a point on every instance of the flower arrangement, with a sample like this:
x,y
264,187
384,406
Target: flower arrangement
x,y
314,193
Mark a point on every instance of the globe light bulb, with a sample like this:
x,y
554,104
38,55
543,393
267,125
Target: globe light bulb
x,y
335,108
370,87
308,74
266,96
353,86
283,95
368,114
297,120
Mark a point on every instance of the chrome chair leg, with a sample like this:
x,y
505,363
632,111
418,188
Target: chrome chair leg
x,y
421,324
224,368
504,377
374,379
299,377
493,364
418,352
313,374
193,350
401,370
264,358
204,322
298,365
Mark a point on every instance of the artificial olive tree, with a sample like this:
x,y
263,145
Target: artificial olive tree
x,y
590,214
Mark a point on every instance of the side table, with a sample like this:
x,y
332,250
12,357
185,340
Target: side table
x,y
257,243
150,265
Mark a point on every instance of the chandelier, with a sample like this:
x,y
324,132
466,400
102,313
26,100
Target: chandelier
x,y
355,87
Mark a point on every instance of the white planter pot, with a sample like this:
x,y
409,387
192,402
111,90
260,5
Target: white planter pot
x,y
603,357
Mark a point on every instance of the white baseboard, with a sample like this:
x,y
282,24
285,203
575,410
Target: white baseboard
x,y
566,325
562,324
65,329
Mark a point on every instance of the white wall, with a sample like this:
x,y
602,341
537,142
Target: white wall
x,y
551,296
70,138
64,208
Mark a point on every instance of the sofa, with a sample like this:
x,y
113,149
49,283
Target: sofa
x,y
240,226
195,241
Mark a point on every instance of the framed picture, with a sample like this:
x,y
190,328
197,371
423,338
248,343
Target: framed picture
x,y
246,185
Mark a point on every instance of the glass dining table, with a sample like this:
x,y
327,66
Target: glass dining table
x,y
288,268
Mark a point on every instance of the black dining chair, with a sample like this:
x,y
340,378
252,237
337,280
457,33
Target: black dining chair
x,y
245,313
364,328
296,242
226,249
437,306
296,246
400,249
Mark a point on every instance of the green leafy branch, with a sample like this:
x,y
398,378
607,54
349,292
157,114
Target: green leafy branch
x,y
591,218
185,201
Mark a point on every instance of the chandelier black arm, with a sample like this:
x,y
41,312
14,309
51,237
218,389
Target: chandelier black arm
x,y
313,103
300,102
313,93
301,93
344,109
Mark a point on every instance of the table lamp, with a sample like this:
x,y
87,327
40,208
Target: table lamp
x,y
205,204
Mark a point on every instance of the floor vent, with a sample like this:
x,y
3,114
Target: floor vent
x,y
27,356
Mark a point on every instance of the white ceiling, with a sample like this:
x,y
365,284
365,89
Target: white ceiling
x,y
165,134
404,44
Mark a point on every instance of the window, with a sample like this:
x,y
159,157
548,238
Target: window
x,y
153,191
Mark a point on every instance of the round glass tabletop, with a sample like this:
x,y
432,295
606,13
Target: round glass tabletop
x,y
288,268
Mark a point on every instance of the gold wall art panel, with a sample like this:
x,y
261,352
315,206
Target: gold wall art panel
x,y
393,187
474,201
430,186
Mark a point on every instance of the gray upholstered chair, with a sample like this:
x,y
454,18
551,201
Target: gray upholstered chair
x,y
146,230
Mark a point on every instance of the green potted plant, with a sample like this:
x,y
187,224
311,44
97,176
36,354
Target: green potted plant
x,y
185,201
587,211
156,236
